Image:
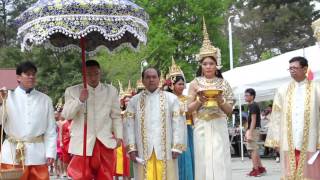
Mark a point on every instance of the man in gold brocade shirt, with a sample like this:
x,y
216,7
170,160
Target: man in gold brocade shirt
x,y
155,131
294,127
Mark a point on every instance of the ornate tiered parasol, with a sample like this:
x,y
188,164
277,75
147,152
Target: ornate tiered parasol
x,y
84,25
61,24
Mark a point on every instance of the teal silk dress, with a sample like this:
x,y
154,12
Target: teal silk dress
x,y
186,160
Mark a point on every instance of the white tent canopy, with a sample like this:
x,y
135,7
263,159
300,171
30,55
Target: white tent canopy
x,y
266,76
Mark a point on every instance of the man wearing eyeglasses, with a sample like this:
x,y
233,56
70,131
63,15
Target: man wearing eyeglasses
x,y
294,127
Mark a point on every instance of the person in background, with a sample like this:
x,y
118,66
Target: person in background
x,y
58,165
265,117
186,160
252,133
65,137
122,159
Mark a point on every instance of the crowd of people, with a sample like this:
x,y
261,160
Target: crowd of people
x,y
157,133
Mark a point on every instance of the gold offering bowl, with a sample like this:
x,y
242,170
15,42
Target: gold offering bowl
x,y
211,94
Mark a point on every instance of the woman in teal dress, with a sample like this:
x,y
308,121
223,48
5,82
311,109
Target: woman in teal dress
x,y
186,160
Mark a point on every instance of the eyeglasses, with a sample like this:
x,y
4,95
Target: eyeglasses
x,y
293,68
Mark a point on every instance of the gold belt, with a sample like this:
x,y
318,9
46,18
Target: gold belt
x,y
38,139
20,148
208,116
189,122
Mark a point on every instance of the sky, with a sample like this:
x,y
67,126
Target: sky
x,y
317,7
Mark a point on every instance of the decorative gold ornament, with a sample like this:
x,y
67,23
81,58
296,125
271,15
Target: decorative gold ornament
x,y
59,105
129,91
139,85
162,80
121,92
174,70
316,28
211,94
208,49
144,135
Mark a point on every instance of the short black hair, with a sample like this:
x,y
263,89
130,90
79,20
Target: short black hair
x,y
143,72
91,63
25,67
251,91
302,61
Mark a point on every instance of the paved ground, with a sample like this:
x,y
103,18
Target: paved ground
x,y
241,168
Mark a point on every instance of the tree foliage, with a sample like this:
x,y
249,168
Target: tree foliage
x,y
9,10
55,71
175,29
274,27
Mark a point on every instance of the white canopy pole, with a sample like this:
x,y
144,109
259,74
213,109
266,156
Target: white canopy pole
x,y
241,134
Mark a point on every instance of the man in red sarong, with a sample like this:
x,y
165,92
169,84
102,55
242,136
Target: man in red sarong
x,y
104,123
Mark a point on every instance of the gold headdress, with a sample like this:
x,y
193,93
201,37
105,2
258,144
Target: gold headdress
x,y
174,71
316,29
129,91
208,49
59,105
139,85
121,92
162,80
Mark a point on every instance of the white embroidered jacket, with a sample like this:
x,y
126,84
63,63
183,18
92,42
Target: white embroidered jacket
x,y
103,117
154,122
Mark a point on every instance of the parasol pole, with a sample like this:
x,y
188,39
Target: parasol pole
x,y
84,79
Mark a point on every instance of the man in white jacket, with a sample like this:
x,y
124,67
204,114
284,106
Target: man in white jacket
x,y
294,128
104,124
155,131
28,121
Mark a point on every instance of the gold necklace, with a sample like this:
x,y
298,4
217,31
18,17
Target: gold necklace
x,y
210,81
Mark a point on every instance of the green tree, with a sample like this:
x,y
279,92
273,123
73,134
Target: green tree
x,y
182,20
175,30
9,10
55,71
274,26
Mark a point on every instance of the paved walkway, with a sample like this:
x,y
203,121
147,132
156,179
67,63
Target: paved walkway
x,y
241,168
